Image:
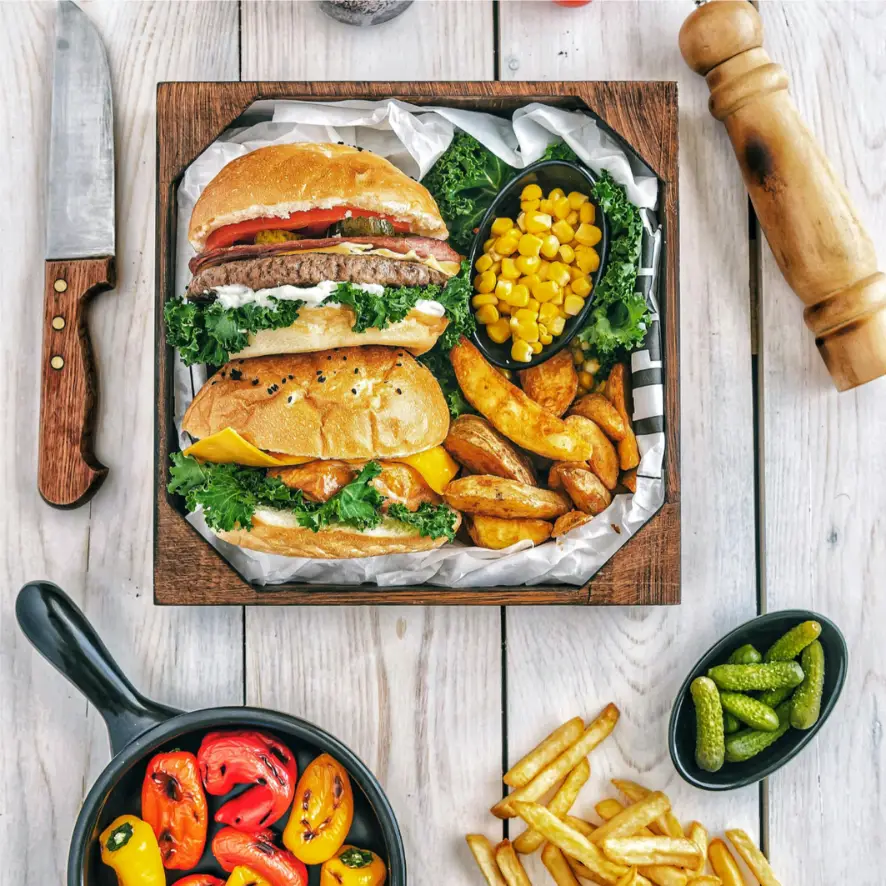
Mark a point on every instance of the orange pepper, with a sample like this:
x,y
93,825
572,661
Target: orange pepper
x,y
353,867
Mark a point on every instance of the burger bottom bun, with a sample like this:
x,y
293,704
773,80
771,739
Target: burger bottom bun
x,y
276,532
323,328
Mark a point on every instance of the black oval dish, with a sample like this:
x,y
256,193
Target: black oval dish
x,y
139,728
548,174
762,631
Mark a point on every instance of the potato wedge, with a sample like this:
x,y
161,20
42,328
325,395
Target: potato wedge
x,y
484,855
552,384
617,394
570,521
601,412
496,533
498,497
555,479
512,412
604,458
628,479
586,490
474,443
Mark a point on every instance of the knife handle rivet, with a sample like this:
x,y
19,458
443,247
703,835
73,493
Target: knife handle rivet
x,y
60,285
57,362
58,322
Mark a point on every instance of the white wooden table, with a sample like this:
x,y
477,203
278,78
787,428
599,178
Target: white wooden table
x,y
784,481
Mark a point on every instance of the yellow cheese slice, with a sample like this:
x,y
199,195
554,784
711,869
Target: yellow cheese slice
x,y
450,268
228,447
435,465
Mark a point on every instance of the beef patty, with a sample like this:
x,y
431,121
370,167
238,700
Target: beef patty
x,y
312,268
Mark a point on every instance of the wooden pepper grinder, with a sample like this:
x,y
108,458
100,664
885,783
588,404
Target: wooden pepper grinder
x,y
820,244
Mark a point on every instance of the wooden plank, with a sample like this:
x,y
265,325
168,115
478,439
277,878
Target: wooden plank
x,y
101,553
824,497
562,663
416,692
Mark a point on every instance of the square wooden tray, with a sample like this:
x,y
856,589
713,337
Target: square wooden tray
x,y
643,115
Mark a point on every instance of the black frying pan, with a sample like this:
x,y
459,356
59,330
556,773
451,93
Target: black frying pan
x,y
139,728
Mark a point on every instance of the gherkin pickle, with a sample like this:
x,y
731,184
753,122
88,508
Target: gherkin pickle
x,y
749,742
789,646
746,654
756,714
774,697
806,702
730,723
744,678
709,742
359,226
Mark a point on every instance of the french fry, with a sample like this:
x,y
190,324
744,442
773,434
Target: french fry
x,y
699,835
484,855
667,825
564,763
553,859
652,851
629,879
753,857
560,804
628,821
510,866
661,875
724,864
571,842
706,880
526,768
582,826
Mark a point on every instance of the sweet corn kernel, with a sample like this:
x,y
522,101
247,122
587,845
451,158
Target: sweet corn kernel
x,y
524,315
531,192
558,273
521,222
588,262
563,231
529,244
546,206
504,288
536,347
529,205
485,282
585,379
525,329
496,267
561,208
478,301
577,358
542,272
572,305
588,235
487,314
545,338
576,199
574,271
529,281
586,213
521,351
544,290
507,245
557,325
518,297
573,218
546,313
558,298
592,366
581,287
504,307
538,222
528,264
495,256
567,255
542,330
484,263
550,246
509,269
556,194
489,244
501,226
499,331
533,305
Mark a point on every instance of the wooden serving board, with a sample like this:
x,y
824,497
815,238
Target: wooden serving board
x,y
646,571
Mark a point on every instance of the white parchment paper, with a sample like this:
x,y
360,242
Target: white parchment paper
x,y
412,138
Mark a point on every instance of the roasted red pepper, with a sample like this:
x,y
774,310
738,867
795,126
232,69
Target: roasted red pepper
x,y
199,880
174,805
258,852
228,759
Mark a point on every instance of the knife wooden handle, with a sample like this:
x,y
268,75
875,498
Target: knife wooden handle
x,y
816,236
68,473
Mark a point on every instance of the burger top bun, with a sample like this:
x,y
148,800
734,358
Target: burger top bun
x,y
277,180
349,403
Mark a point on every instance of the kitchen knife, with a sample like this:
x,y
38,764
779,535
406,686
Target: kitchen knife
x,y
79,257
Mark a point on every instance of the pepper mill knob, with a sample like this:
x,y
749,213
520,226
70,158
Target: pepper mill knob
x,y
818,241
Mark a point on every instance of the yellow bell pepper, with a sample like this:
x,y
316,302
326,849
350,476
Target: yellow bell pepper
x,y
244,876
130,848
353,867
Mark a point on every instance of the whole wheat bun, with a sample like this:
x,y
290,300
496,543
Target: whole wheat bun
x,y
274,181
321,328
276,532
351,403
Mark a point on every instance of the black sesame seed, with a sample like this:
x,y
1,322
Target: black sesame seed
x,y
321,379
236,374
241,361
353,390
291,377
283,380
399,391
215,382
398,364
254,382
345,357
356,370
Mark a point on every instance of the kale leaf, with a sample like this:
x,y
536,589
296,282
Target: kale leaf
x,y
431,521
464,181
357,504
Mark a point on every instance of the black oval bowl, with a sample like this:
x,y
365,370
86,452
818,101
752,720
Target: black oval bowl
x,y
548,174
762,631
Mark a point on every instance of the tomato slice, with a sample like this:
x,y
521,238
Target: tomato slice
x,y
311,221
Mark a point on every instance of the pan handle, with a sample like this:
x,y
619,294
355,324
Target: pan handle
x,y
62,634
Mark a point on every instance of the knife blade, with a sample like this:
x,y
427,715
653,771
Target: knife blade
x,y
80,245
